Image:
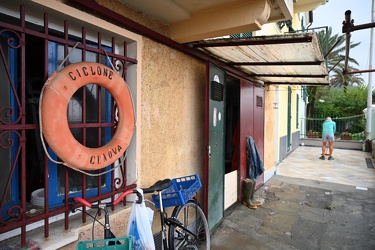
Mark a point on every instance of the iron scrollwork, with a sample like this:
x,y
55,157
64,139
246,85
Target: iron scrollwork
x,y
13,41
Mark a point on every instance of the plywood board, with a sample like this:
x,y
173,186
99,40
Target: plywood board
x,y
230,189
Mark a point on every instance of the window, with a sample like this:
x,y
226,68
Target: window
x,y
29,54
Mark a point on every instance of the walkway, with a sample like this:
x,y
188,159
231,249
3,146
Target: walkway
x,y
308,204
348,168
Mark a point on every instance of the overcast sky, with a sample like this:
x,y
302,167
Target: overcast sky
x,y
332,14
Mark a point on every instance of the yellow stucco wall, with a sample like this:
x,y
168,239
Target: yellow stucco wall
x,y
172,107
269,128
172,113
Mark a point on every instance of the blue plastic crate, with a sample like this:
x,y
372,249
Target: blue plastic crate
x,y
123,243
181,190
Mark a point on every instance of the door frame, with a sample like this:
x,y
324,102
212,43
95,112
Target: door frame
x,y
251,121
214,145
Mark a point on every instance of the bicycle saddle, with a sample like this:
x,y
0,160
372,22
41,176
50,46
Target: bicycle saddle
x,y
158,186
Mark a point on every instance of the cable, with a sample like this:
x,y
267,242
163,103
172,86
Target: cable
x,y
94,218
338,118
93,224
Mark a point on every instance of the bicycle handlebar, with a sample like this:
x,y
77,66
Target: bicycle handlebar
x,y
157,187
108,204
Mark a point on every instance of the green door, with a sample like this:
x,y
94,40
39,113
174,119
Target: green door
x,y
215,171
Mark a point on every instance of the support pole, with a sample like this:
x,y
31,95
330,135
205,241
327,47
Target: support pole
x,y
348,27
369,93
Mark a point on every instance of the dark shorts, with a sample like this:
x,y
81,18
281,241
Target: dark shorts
x,y
327,137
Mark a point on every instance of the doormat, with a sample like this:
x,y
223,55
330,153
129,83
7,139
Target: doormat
x,y
369,163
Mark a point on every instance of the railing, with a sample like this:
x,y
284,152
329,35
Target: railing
x,y
26,52
347,128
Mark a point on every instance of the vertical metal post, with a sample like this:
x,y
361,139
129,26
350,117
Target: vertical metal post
x,y
369,85
23,121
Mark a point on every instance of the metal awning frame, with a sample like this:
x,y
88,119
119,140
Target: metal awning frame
x,y
348,27
241,44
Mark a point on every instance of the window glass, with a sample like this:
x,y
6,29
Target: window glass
x,y
88,102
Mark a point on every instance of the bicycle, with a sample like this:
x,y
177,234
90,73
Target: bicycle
x,y
187,225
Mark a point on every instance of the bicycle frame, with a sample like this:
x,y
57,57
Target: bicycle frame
x,y
163,220
107,228
179,231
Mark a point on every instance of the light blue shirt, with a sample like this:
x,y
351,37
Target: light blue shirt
x,y
329,127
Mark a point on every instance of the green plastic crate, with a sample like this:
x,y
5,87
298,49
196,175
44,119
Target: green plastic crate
x,y
123,243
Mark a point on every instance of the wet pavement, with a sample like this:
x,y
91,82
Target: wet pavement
x,y
308,204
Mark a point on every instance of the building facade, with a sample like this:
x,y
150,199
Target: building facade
x,y
188,105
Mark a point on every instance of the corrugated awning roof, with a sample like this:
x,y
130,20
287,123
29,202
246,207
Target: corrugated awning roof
x,y
293,59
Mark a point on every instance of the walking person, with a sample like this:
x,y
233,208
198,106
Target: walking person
x,y
328,134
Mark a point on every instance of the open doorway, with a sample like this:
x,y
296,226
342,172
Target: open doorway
x,y
232,152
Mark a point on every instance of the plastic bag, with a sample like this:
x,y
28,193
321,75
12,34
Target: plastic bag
x,y
139,226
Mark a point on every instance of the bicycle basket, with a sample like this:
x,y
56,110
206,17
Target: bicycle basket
x,y
123,243
181,190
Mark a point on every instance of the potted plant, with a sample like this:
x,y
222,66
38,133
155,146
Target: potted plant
x,y
312,134
346,136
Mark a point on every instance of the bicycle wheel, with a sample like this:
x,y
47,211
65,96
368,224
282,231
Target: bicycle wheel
x,y
197,233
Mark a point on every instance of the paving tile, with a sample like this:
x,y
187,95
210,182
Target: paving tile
x,y
349,167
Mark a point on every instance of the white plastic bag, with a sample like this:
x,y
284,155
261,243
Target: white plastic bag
x,y
139,226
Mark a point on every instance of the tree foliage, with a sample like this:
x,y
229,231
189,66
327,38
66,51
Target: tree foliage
x,y
335,45
344,102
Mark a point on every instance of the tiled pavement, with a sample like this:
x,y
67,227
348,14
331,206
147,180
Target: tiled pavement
x,y
349,167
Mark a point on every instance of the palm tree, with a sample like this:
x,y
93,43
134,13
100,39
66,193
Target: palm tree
x,y
333,49
340,80
335,45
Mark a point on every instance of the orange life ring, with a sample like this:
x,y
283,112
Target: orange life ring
x,y
59,89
